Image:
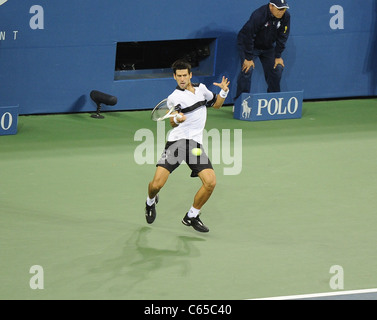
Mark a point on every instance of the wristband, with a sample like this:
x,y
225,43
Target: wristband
x,y
175,120
223,94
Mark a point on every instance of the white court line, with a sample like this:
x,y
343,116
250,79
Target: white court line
x,y
319,295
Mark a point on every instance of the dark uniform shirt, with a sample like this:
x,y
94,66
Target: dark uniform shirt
x,y
264,31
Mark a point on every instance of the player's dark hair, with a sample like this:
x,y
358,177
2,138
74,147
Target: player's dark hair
x,y
181,65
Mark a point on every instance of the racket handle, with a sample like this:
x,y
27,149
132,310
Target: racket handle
x,y
178,116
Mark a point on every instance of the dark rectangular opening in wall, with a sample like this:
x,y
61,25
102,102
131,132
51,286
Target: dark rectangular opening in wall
x,y
153,59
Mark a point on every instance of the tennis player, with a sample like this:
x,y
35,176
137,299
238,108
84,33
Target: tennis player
x,y
185,142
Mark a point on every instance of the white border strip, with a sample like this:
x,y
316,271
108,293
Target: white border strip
x,y
319,295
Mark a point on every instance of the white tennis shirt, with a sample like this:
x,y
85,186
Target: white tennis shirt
x,y
194,107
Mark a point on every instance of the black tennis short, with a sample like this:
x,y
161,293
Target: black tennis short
x,y
178,151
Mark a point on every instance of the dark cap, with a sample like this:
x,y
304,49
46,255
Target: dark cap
x,y
280,4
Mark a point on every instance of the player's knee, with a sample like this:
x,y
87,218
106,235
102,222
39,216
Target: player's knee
x,y
157,185
210,184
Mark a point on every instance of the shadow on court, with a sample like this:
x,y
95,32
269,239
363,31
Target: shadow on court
x,y
141,260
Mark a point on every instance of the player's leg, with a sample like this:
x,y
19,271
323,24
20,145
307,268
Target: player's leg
x,y
159,180
169,161
191,218
208,178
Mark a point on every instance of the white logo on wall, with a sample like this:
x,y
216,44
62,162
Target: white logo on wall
x,y
3,121
246,110
337,20
36,22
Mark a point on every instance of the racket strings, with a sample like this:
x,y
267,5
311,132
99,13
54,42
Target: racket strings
x,y
159,113
161,110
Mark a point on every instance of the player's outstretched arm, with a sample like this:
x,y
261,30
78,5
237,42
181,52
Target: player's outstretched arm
x,y
224,85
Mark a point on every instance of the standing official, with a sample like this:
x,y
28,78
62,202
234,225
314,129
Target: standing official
x,y
264,36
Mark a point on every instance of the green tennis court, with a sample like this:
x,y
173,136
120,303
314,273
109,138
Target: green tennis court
x,y
72,201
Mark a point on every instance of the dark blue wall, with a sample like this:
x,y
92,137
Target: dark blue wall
x,y
53,55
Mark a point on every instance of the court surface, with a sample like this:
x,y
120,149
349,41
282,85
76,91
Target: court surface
x,y
72,199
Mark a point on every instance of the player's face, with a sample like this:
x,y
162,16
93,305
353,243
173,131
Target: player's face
x,y
277,13
183,78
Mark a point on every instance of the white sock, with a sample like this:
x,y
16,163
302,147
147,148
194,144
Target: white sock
x,y
193,213
150,202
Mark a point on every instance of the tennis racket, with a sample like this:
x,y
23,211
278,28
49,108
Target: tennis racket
x,y
163,111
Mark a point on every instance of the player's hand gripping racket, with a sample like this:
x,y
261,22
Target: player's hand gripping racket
x,y
163,111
